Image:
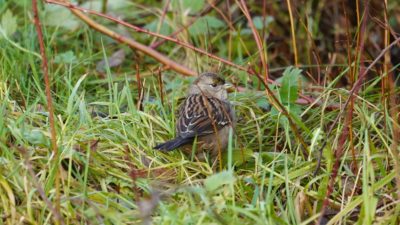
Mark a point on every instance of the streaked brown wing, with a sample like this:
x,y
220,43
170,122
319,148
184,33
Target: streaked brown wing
x,y
199,114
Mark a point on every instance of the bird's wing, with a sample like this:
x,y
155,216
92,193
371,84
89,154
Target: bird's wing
x,y
200,115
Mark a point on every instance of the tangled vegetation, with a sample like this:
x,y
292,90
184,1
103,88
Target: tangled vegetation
x,y
316,103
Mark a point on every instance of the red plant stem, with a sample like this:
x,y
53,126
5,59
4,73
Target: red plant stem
x,y
348,38
139,104
57,217
141,48
352,93
164,12
257,38
393,109
170,63
45,75
138,29
385,93
270,95
349,116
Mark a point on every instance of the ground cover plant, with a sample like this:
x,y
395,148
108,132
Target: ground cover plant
x,y
88,88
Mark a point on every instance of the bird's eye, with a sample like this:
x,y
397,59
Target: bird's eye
x,y
213,85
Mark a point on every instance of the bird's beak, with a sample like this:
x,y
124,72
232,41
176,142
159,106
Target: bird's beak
x,y
229,87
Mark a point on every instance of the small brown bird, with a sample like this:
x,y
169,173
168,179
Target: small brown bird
x,y
205,116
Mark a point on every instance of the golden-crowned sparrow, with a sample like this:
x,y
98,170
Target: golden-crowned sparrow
x,y
205,117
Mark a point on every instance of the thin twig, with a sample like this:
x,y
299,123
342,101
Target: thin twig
x,y
45,75
171,64
261,47
348,119
393,110
161,23
77,11
265,71
348,38
57,217
163,59
351,93
139,104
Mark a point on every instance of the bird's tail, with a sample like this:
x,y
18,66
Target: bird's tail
x,y
173,144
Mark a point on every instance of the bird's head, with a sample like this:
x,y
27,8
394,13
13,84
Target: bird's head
x,y
210,84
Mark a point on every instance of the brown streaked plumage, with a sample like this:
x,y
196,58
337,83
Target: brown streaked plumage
x,y
205,115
